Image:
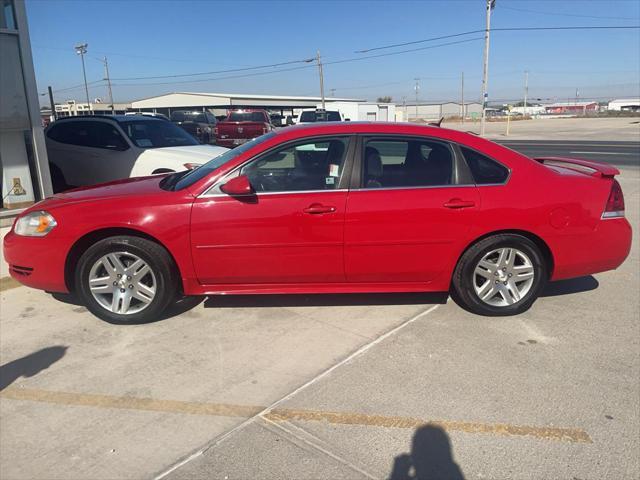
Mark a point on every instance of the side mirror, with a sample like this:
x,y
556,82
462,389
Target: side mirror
x,y
238,186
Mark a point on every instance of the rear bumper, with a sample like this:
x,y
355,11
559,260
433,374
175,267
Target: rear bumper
x,y
606,248
231,142
35,262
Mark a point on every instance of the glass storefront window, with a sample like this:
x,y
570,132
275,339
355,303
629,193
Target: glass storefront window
x,y
7,17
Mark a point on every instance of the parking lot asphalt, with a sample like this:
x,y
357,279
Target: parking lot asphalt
x,y
329,386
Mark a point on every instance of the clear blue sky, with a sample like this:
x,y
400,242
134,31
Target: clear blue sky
x,y
147,38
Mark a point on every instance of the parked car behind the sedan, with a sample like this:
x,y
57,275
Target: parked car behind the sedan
x,y
201,125
242,125
95,149
319,115
330,208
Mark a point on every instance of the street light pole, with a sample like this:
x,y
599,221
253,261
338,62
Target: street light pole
x,y
321,78
417,89
526,90
485,70
108,79
462,97
81,49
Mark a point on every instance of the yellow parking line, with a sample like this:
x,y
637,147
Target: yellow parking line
x,y
7,283
574,435
130,403
506,429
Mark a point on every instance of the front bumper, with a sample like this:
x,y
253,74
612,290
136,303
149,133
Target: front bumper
x,y
37,262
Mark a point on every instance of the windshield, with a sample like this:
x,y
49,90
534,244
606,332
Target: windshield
x,y
157,134
194,175
246,117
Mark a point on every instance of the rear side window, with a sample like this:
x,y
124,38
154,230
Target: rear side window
x,y
88,134
484,170
393,163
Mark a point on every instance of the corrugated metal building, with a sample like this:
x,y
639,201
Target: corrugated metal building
x,y
434,111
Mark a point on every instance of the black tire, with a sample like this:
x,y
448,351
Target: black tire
x,y
154,255
463,291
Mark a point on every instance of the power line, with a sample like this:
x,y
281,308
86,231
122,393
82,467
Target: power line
x,y
75,87
306,60
334,62
599,17
504,29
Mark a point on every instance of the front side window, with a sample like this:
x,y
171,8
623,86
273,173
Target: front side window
x,y
310,165
484,170
407,163
190,177
157,134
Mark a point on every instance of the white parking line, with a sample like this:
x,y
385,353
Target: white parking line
x,y
264,412
605,153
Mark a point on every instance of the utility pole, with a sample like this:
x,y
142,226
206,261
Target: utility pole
x,y
485,70
333,92
81,49
321,78
53,105
417,89
462,97
106,74
404,108
526,90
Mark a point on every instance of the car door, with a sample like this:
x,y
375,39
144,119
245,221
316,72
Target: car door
x,y
289,231
410,211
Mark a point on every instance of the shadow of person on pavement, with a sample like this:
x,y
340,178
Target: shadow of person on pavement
x,y
30,365
430,458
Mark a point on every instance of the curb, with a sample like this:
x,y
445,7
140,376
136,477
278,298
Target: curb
x,y
8,283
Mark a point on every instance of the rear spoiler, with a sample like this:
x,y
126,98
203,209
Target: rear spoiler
x,y
595,169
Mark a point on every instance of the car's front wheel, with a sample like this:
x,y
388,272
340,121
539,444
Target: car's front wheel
x,y
500,275
126,279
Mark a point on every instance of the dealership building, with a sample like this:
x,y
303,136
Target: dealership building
x,y
23,155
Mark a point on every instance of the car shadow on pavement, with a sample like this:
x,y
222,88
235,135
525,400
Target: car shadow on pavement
x,y
430,457
30,365
573,285
180,306
324,300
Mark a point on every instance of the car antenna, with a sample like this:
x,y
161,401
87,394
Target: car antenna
x,y
438,123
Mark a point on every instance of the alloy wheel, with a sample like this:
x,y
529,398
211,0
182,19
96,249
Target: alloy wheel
x,y
503,276
122,283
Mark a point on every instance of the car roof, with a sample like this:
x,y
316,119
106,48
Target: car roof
x,y
322,128
303,130
115,118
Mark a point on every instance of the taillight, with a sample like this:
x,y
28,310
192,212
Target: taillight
x,y
215,131
265,130
615,203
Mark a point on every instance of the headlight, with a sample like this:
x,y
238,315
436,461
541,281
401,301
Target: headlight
x,y
35,224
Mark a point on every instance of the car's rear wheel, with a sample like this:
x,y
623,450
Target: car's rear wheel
x,y
500,275
126,279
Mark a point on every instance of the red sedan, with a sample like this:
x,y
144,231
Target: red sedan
x,y
326,208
